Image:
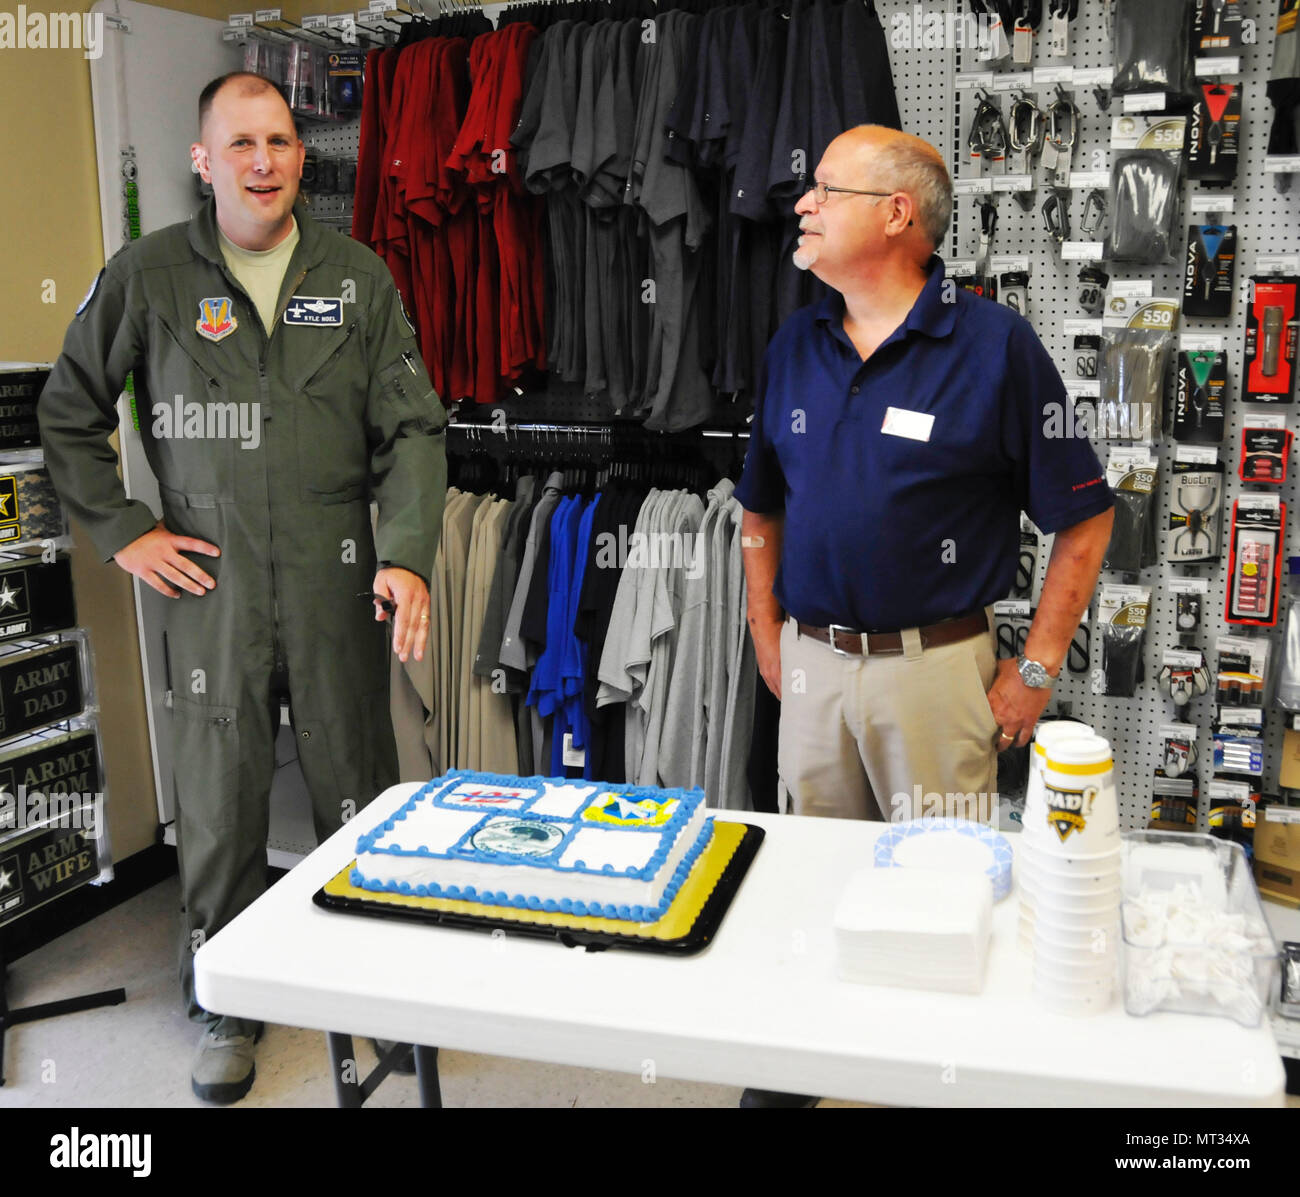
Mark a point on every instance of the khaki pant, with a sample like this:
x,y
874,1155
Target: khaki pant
x,y
888,737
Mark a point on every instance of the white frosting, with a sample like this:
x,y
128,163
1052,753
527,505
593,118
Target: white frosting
x,y
435,829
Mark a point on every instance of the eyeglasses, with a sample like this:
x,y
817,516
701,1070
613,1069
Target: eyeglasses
x,y
822,191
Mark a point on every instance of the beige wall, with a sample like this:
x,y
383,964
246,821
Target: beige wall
x,y
50,230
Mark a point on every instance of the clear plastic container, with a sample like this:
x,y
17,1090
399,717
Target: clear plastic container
x,y
1166,972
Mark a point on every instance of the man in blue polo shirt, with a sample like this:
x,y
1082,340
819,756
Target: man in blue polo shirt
x,y
898,433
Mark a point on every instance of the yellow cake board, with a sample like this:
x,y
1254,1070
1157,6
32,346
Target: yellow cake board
x,y
675,923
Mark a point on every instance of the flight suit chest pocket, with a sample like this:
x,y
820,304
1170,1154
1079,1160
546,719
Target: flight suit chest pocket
x,y
333,454
194,422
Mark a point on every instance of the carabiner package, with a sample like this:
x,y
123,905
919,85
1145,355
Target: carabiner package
x,y
987,139
1026,127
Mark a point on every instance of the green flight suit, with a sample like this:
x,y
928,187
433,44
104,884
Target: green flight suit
x,y
345,414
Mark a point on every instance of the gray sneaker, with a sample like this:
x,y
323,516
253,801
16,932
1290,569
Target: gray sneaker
x,y
223,1070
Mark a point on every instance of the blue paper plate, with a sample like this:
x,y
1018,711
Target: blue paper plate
x,y
998,872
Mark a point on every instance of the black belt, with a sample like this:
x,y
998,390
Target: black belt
x,y
849,643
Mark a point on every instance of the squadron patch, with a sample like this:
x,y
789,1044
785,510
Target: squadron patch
x,y
216,318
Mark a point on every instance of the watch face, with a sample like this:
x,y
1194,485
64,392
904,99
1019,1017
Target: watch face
x,y
1033,674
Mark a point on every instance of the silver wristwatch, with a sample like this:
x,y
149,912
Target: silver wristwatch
x,y
1034,674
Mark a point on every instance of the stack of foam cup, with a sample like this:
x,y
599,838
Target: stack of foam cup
x,y
1076,879
1034,821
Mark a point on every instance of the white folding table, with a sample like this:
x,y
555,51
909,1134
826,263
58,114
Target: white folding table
x,y
760,1006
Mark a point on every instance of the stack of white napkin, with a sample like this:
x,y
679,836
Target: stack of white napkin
x,y
914,928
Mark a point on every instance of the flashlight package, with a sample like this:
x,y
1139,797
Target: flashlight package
x,y
1183,675
1132,475
1199,397
1122,614
1208,273
1265,449
1136,342
1271,330
1213,136
1255,568
1149,45
1195,511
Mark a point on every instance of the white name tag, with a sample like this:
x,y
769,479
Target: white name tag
x,y
915,425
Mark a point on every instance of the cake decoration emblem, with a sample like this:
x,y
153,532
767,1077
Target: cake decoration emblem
x,y
517,837
621,810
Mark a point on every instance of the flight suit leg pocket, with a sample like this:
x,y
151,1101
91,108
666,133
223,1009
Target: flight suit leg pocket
x,y
206,761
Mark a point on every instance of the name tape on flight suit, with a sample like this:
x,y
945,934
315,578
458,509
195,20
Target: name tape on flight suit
x,y
314,310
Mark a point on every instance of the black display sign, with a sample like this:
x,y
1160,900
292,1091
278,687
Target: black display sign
x,y
19,390
48,862
36,597
35,781
39,687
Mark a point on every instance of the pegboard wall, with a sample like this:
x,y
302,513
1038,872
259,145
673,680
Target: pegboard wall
x,y
936,108
926,74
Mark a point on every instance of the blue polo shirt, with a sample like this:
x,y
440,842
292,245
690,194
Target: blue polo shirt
x,y
903,518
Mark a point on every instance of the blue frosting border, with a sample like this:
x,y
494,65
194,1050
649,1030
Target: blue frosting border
x,y
687,801
636,913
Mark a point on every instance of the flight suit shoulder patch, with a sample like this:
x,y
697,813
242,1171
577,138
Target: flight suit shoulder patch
x,y
94,286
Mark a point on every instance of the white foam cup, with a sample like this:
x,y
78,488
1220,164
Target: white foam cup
x,y
1082,807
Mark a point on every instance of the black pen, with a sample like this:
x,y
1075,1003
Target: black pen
x,y
387,603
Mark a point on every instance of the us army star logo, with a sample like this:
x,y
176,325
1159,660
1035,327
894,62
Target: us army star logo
x,y
8,597
6,879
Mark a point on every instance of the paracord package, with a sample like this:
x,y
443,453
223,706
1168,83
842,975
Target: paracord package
x,y
1122,614
1144,192
1149,40
1137,341
1132,475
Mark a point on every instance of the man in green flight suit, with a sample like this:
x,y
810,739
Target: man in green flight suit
x,y
280,390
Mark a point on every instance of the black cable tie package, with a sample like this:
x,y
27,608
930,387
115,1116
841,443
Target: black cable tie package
x,y
1137,342
1200,392
1265,449
1271,331
1208,276
1255,567
1195,511
1214,133
1122,614
1132,475
1149,45
1174,802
